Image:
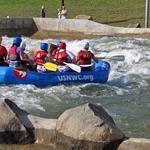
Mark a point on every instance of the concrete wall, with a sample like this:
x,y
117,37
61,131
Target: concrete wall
x,y
85,26
17,26
28,26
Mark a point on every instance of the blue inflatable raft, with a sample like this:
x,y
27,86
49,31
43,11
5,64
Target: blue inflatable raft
x,y
11,76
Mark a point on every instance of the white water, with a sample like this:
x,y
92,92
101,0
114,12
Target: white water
x,y
126,96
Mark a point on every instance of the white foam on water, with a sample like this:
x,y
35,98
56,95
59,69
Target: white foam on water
x,y
120,95
133,49
22,95
125,76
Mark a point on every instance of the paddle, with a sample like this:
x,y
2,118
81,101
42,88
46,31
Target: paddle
x,y
97,56
74,67
116,57
50,66
88,65
53,67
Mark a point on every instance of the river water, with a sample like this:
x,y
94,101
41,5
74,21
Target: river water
x,y
126,95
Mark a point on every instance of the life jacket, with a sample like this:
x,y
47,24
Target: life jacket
x,y
84,57
61,56
40,56
12,54
3,53
53,53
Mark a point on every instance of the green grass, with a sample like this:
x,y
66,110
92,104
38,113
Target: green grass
x,y
112,12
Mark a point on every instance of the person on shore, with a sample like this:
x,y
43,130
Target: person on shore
x,y
63,12
59,13
3,54
41,57
13,56
85,56
42,12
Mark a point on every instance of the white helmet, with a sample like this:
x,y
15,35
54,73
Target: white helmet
x,y
23,45
86,45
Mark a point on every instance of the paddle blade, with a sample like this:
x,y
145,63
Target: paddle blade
x,y
88,65
116,57
74,67
50,66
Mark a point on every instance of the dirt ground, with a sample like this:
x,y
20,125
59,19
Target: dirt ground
x,y
78,36
62,35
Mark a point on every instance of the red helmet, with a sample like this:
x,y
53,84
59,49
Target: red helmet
x,y
62,45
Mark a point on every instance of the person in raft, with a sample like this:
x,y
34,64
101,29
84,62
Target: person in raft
x,y
84,57
53,50
3,54
41,57
61,57
13,56
26,62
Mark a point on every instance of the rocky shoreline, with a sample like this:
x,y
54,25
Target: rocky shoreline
x,y
86,127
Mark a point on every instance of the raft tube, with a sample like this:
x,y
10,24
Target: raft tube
x,y
12,76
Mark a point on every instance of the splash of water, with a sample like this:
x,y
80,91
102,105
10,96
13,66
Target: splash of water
x,y
125,96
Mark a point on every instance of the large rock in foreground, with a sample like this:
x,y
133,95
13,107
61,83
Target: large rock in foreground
x,y
17,126
88,127
135,144
11,128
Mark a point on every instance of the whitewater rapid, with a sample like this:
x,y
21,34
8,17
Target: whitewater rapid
x,y
126,96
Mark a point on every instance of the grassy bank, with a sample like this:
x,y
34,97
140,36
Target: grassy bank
x,y
112,12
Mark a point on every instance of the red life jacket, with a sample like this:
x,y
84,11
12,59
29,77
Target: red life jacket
x,y
3,53
53,53
12,54
61,56
84,57
40,56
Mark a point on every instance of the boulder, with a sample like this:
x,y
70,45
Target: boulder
x,y
18,126
11,128
84,17
87,127
44,129
27,147
135,144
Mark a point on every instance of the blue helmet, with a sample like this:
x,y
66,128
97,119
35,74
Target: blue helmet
x,y
44,46
17,40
